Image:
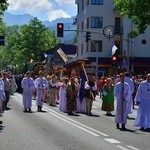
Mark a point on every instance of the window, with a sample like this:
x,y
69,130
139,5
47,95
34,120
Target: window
x,y
118,30
93,46
82,25
87,46
96,2
81,49
82,4
144,42
88,2
78,9
87,23
96,22
77,48
77,29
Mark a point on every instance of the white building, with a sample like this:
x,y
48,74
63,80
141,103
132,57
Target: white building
x,y
94,16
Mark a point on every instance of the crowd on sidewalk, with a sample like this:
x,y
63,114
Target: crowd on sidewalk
x,y
76,95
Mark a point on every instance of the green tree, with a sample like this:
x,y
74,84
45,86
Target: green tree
x,y
26,43
136,10
36,38
3,7
11,47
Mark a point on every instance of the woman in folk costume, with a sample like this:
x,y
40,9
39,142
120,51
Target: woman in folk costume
x,y
143,100
2,96
122,94
40,84
27,85
52,91
62,95
108,97
72,91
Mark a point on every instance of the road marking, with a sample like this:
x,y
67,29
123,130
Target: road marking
x,y
75,122
122,148
113,141
84,127
132,147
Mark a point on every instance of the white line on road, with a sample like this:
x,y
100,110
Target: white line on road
x,y
84,127
132,147
71,121
113,141
122,148
80,124
73,124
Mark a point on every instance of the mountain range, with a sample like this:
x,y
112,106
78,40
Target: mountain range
x,y
11,20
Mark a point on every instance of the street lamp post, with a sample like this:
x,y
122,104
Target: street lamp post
x,y
109,32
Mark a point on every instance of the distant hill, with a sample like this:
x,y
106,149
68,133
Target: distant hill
x,y
11,20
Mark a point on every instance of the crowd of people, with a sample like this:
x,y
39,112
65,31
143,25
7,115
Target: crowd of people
x,y
76,96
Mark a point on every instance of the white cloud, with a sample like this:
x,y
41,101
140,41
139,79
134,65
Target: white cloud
x,y
52,15
32,7
65,2
51,9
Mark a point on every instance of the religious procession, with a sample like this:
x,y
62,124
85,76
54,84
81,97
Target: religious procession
x,y
76,95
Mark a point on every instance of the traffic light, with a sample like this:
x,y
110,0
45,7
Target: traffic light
x,y
114,58
60,29
88,36
2,40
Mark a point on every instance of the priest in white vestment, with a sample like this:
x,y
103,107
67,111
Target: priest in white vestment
x,y
122,94
143,99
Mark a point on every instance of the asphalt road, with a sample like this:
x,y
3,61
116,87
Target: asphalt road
x,y
54,130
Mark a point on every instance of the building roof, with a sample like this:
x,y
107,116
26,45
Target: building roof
x,y
67,49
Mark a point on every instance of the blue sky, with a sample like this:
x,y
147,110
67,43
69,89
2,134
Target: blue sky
x,y
43,9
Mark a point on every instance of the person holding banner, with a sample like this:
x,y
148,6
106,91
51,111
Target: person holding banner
x,y
122,94
90,88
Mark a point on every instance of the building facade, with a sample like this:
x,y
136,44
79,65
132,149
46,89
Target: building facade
x,y
95,16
